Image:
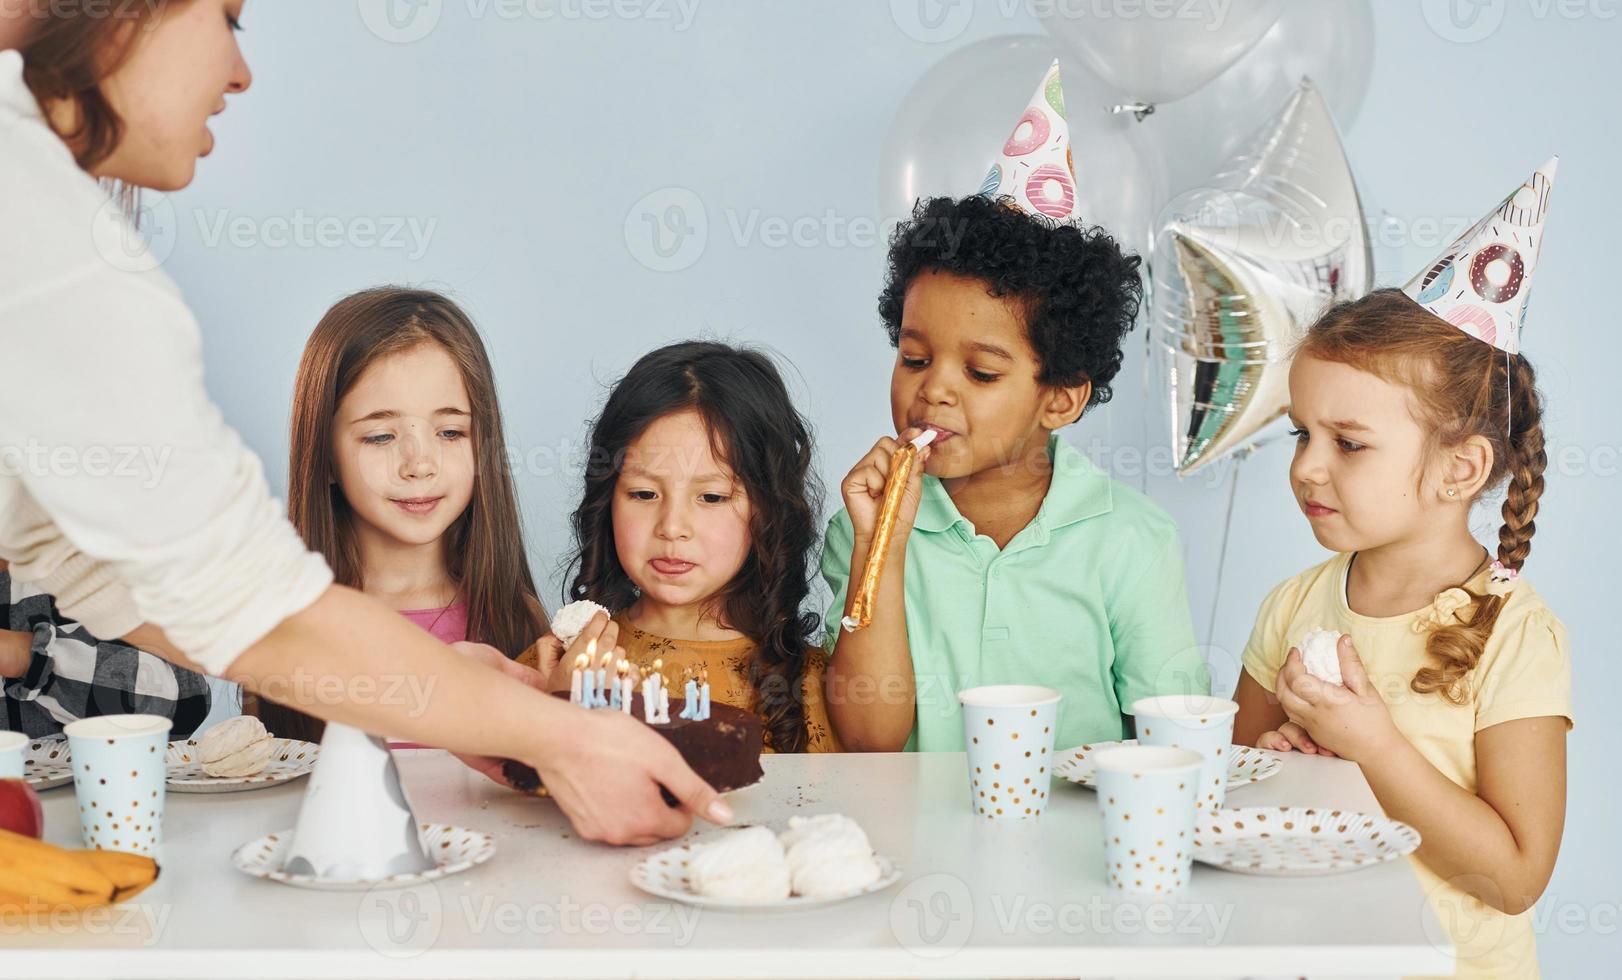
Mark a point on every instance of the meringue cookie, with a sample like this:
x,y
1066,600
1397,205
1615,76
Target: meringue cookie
x,y
239,746
1320,656
743,866
828,856
575,617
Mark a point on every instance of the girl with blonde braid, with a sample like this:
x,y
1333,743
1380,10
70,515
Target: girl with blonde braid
x,y
1455,689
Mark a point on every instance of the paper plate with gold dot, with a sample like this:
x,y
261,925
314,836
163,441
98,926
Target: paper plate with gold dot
x,y
47,763
1298,841
453,849
1246,763
290,759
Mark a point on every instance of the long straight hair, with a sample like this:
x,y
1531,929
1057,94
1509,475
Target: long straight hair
x,y
484,550
755,429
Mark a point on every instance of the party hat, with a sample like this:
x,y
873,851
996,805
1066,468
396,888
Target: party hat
x,y
1035,168
355,822
1482,282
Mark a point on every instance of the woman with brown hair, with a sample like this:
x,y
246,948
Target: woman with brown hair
x,y
192,558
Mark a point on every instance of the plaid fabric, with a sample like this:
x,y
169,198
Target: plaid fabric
x,y
74,675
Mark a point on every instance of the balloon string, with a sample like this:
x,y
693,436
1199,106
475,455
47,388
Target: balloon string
x,y
1148,399
1239,458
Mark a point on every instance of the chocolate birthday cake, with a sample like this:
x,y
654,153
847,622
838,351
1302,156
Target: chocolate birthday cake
x,y
724,749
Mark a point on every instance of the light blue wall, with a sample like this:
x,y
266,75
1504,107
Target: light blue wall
x,y
524,143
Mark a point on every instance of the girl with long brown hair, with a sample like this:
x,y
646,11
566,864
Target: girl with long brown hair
x,y
1453,693
696,527
397,474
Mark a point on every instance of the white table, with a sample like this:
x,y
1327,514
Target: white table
x,y
978,898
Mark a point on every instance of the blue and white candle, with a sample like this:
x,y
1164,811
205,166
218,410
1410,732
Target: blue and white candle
x,y
689,708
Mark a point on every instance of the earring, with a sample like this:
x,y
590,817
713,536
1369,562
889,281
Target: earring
x,y
1452,492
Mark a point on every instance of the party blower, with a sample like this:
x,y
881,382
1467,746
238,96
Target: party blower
x,y
355,822
867,593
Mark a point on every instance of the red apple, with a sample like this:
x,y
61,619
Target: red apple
x,y
20,812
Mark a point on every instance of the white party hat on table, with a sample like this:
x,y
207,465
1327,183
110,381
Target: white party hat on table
x,y
355,822
1035,167
1482,282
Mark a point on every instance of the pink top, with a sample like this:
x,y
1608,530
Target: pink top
x,y
448,625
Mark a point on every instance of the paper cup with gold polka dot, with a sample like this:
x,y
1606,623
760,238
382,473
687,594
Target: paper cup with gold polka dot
x,y
1192,721
1146,802
12,747
1008,731
118,771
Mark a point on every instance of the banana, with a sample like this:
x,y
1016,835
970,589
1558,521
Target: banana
x,y
33,871
129,873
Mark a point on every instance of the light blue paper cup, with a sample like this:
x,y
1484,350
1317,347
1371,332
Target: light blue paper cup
x,y
1192,721
118,775
1146,806
1008,731
13,745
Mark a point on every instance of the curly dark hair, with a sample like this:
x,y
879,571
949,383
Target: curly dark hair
x,y
755,429
1078,291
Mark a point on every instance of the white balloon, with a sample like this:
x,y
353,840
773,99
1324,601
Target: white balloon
x,y
1157,51
951,125
1328,41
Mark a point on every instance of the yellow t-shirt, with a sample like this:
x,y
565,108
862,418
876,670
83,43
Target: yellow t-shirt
x,y
1524,672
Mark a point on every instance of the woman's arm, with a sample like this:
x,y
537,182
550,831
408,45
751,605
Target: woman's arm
x,y
350,659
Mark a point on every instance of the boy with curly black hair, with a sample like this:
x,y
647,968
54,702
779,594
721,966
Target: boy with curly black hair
x,y
1015,560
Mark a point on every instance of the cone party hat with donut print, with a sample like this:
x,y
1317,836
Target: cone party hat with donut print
x,y
1035,167
1482,282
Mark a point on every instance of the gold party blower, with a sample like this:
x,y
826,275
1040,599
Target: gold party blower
x,y
901,464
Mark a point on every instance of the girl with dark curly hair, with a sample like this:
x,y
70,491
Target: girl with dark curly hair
x,y
1015,559
697,523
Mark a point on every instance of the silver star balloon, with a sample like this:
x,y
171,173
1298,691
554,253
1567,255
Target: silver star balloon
x,y
1242,266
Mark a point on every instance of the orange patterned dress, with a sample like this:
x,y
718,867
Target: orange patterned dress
x,y
727,662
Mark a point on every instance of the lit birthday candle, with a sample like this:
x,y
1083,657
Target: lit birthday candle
x,y
577,680
602,679
592,687
704,695
650,703
617,689
663,718
622,686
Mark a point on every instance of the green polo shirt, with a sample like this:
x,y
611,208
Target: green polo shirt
x,y
1088,598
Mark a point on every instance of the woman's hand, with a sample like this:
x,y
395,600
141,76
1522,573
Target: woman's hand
x,y
863,487
606,777
1349,719
496,660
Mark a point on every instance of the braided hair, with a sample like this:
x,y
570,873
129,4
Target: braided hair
x,y
1461,387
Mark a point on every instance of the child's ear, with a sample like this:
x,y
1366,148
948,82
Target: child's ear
x,y
1065,405
1466,468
